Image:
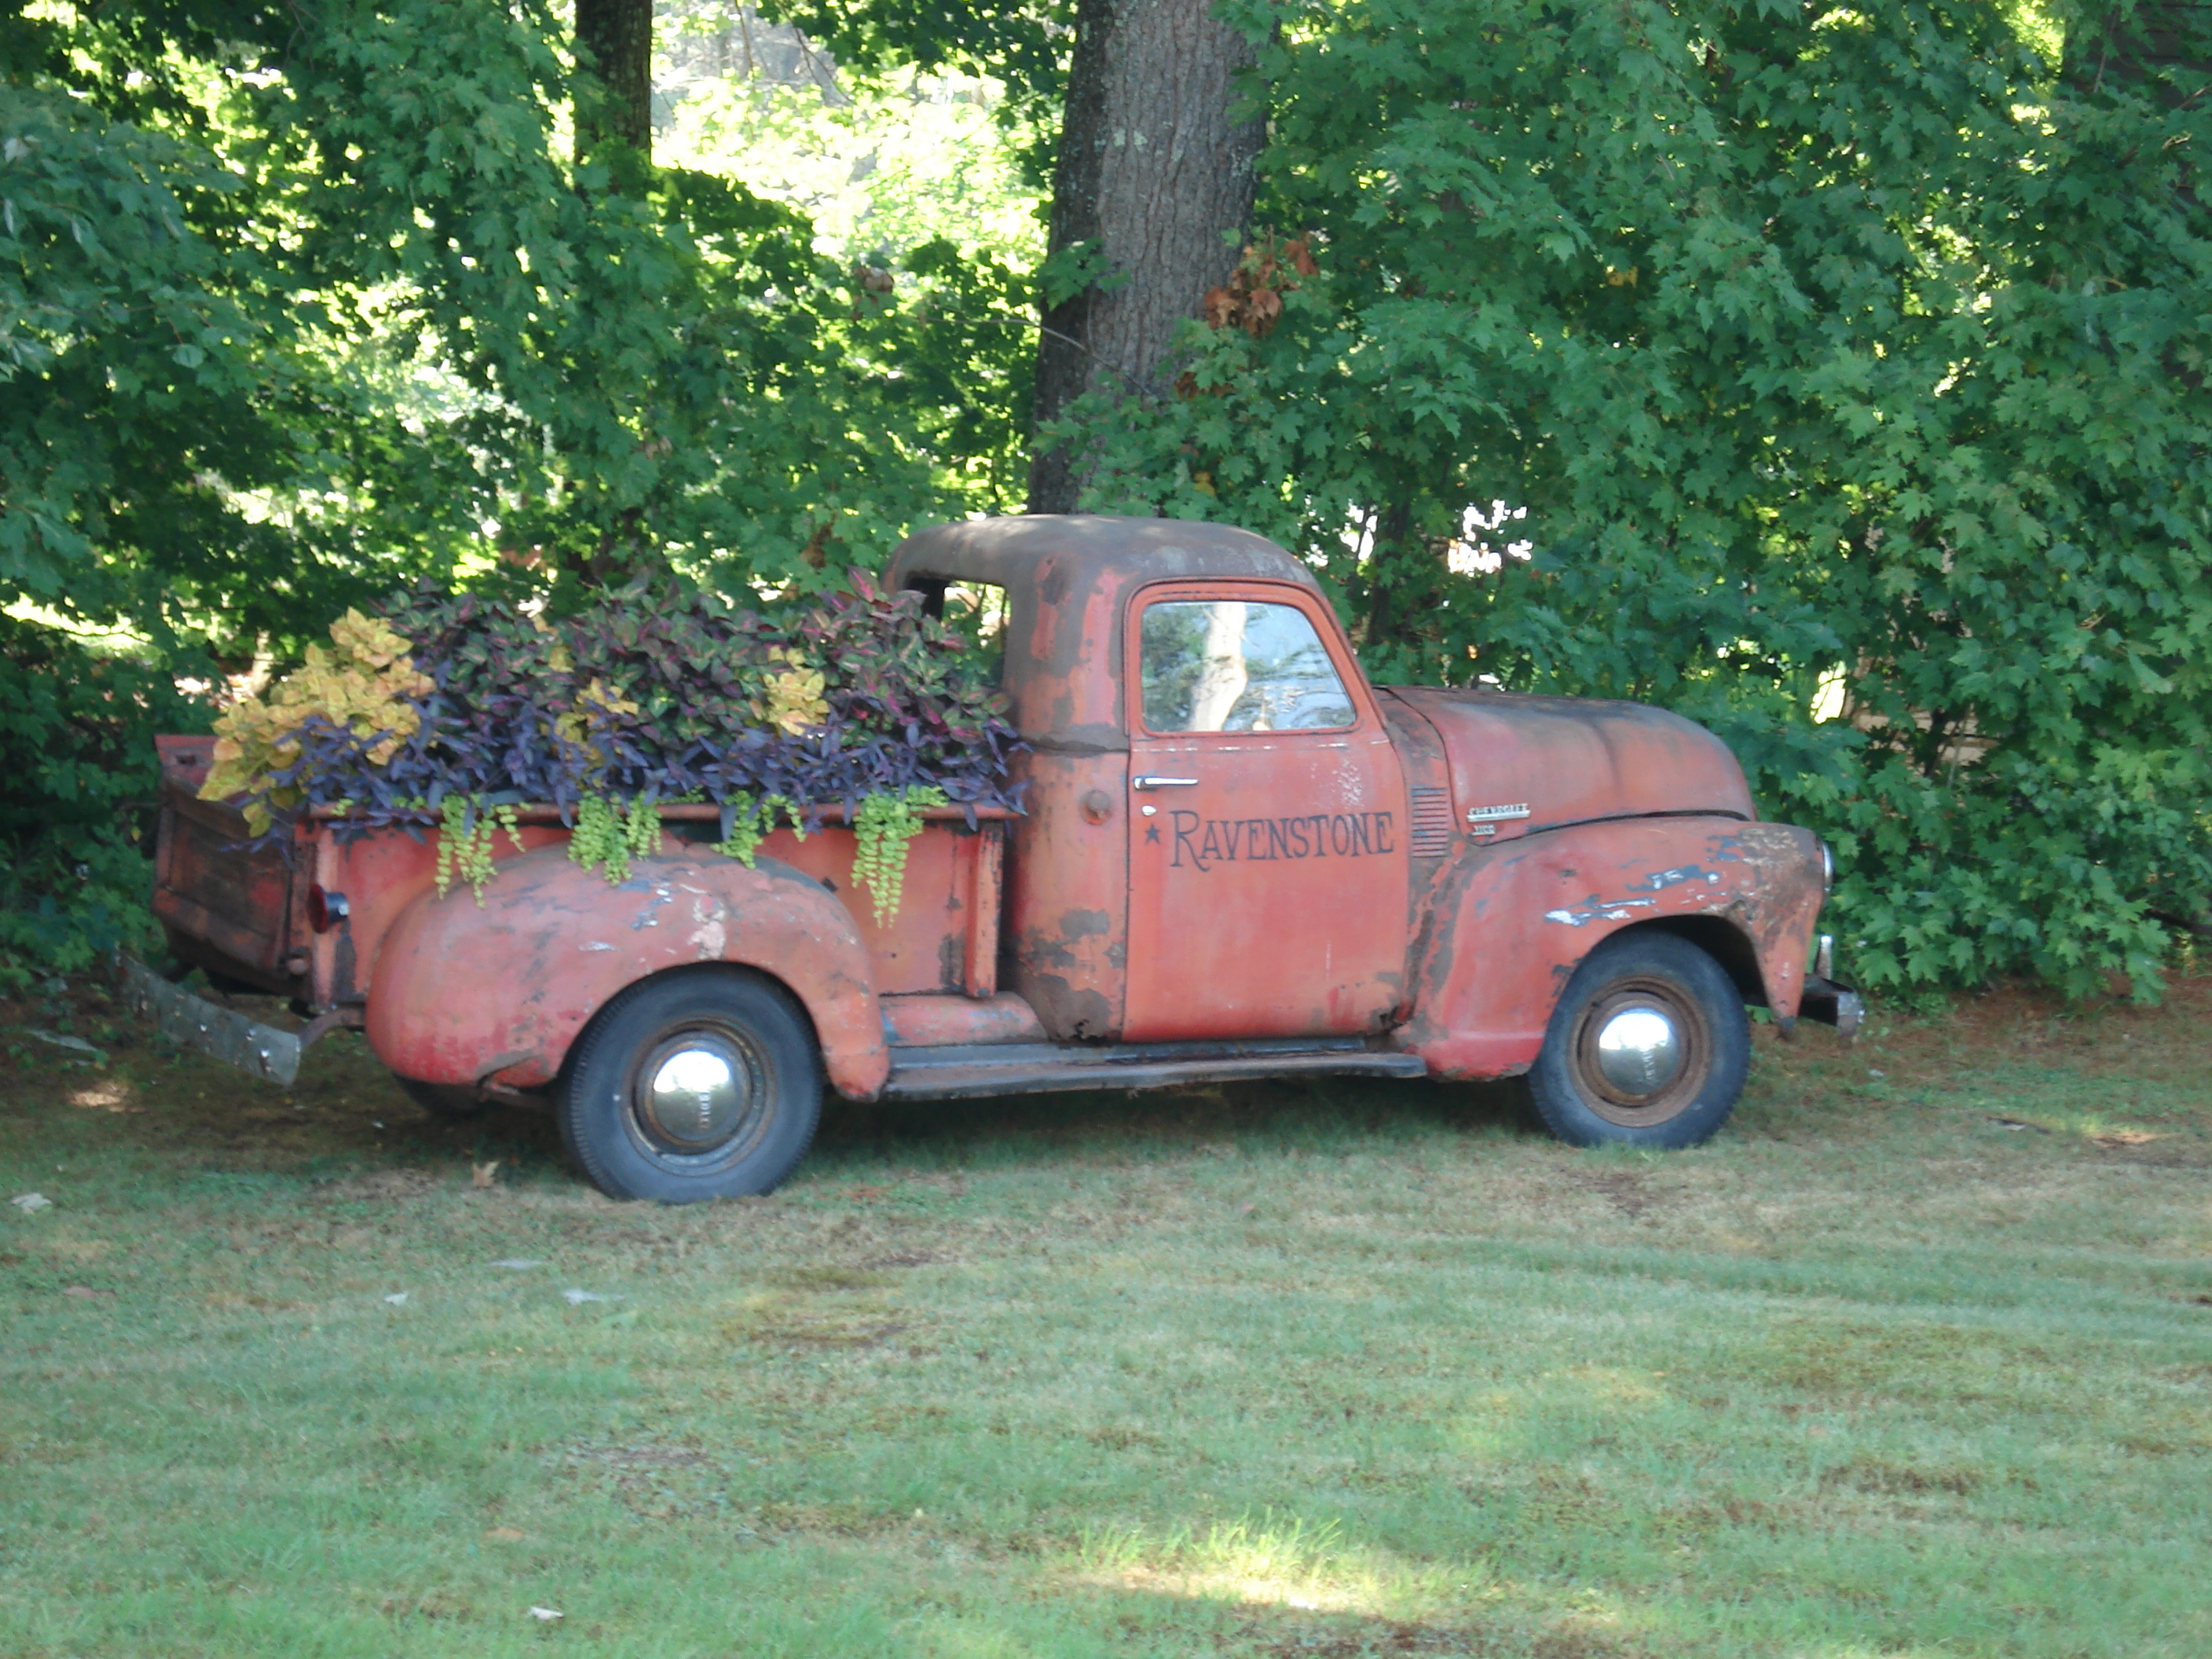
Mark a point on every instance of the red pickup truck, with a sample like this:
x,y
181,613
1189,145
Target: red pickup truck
x,y
1236,859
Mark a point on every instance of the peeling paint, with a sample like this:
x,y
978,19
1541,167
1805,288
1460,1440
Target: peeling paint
x,y
710,938
1610,910
1660,880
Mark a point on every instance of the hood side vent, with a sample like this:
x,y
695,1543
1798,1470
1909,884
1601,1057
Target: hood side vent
x,y
1431,824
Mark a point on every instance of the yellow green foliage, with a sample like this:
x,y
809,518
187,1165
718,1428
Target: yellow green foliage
x,y
793,700
595,699
363,684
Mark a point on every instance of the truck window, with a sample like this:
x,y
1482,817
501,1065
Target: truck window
x,y
1238,666
977,612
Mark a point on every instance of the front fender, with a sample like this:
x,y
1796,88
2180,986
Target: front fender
x,y
1504,930
465,993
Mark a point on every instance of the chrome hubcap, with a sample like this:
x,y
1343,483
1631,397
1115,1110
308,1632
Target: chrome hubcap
x,y
1640,1052
696,1093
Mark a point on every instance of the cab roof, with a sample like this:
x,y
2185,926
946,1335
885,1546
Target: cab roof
x,y
1067,577
1088,550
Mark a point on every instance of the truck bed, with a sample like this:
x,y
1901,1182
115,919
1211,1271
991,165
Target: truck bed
x,y
245,915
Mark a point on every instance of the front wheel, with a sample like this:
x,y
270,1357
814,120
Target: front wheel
x,y
700,1084
1648,1046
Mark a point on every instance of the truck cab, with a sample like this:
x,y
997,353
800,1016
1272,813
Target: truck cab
x,y
1235,858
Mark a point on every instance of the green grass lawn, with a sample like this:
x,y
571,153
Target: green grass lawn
x,y
1915,1359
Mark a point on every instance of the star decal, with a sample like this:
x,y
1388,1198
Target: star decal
x,y
1152,834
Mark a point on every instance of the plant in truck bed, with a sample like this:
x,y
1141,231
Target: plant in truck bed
x,y
452,711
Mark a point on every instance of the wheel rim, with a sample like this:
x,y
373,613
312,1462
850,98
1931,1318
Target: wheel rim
x,y
700,1097
1642,1051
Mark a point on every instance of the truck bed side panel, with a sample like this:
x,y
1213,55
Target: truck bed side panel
x,y
469,993
943,938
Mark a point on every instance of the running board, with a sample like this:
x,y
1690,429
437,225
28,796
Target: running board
x,y
975,1069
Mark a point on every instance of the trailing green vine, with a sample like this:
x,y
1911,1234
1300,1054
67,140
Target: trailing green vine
x,y
752,821
610,834
641,830
884,825
464,840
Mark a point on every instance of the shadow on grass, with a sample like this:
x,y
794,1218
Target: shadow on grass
x,y
1337,1116
347,1116
857,1141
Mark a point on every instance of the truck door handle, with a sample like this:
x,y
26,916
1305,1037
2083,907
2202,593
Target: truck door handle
x,y
1149,781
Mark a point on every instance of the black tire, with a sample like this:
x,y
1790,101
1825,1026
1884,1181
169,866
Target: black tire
x,y
1629,1092
755,1114
449,1103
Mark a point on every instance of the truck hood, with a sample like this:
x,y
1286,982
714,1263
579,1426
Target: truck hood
x,y
1568,759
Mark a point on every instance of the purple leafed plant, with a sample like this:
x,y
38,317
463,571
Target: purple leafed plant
x,y
657,693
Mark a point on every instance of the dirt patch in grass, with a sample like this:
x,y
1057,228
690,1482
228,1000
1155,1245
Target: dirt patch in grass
x,y
377,1186
810,1328
1625,1189
1343,1637
1874,1474
2151,1154
1377,1639
641,1457
1862,1359
821,1277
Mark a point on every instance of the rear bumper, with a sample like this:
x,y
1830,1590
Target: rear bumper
x,y
224,1034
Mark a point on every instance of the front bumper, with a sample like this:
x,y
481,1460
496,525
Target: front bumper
x,y
1833,1004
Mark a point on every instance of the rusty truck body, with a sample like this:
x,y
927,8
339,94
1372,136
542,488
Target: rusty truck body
x,y
1236,859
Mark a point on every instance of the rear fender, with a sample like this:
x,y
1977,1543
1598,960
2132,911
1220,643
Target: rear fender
x,y
469,993
1504,930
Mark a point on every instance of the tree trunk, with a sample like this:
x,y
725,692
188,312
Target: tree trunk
x,y
614,127
614,102
2120,46
1155,174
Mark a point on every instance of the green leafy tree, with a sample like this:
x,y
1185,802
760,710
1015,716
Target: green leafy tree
x,y
1845,362
294,306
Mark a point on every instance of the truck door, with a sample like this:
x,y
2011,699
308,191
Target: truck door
x,y
1267,863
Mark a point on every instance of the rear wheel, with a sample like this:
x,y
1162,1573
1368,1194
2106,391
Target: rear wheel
x,y
702,1084
1648,1046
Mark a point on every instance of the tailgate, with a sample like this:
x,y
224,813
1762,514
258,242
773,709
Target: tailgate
x,y
225,909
